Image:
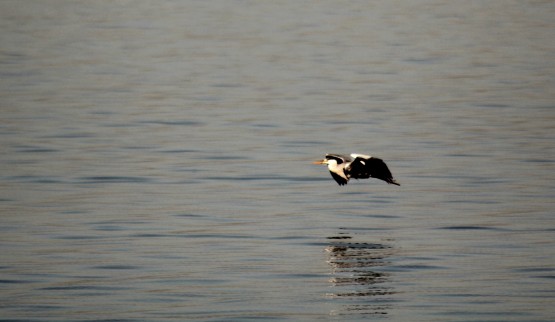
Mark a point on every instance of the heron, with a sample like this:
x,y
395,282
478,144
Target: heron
x,y
357,166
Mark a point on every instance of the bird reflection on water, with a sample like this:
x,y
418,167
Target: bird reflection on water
x,y
356,276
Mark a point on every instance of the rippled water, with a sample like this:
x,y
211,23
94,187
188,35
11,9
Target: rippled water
x,y
156,155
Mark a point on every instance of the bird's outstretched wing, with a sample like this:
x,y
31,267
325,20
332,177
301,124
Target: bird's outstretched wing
x,y
339,179
363,168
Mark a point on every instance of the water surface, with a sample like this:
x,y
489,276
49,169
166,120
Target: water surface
x,y
156,155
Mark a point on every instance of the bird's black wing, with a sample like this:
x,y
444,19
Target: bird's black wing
x,y
362,168
339,179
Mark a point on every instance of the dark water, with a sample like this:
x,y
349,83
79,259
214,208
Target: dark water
x,y
156,155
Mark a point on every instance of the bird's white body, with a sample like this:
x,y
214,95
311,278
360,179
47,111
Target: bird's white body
x,y
338,169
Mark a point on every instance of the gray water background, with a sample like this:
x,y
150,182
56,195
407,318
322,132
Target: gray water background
x,y
155,160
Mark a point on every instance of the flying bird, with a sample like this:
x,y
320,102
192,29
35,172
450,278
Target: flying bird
x,y
358,166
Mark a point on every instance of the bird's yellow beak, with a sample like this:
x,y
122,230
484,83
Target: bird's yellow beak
x,y
320,162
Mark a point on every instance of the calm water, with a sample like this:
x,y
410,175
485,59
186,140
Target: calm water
x,y
155,160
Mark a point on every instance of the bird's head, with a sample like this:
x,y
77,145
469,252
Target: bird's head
x,y
331,163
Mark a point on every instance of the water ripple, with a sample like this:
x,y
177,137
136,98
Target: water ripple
x,y
115,179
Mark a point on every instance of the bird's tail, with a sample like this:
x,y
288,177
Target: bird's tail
x,y
392,181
